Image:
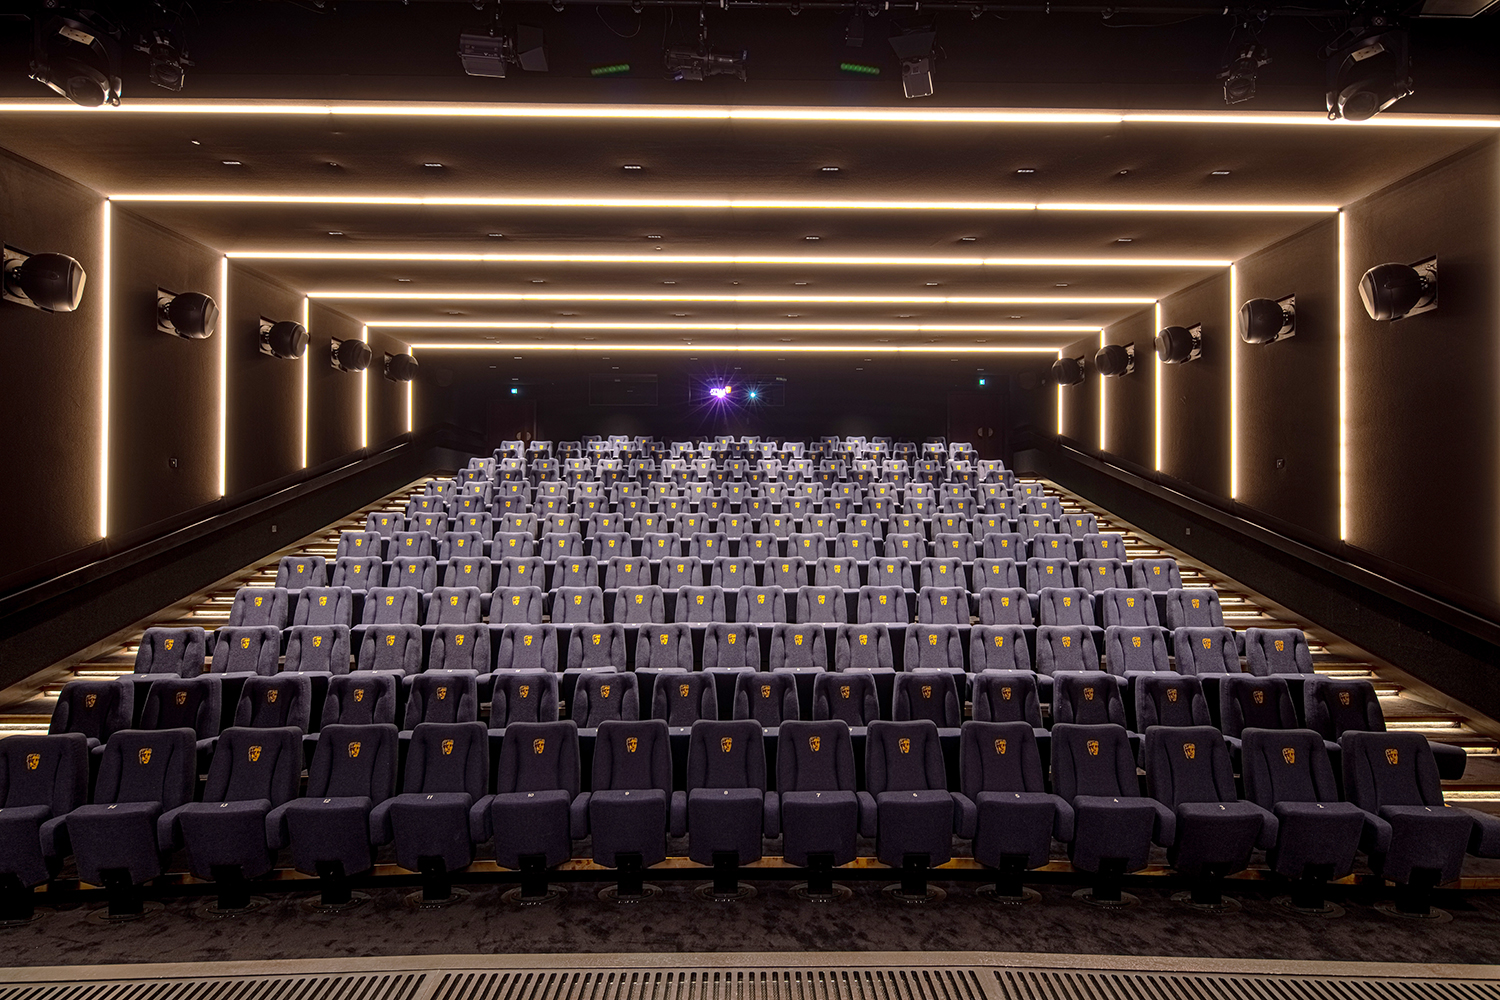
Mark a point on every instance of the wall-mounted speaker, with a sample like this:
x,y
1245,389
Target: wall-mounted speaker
x,y
351,355
1396,291
1177,345
1068,371
189,315
1265,321
1115,360
400,367
51,282
285,340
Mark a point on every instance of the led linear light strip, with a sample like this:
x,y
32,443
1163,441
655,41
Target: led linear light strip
x,y
725,259
105,281
927,300
439,324
594,348
795,204
854,116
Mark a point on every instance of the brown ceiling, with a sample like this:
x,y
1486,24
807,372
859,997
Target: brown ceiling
x,y
483,157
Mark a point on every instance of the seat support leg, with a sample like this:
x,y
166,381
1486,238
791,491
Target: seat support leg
x,y
1310,892
17,902
632,878
126,899
1109,880
1208,886
436,885
234,890
533,876
1415,898
336,888
914,874
726,873
820,873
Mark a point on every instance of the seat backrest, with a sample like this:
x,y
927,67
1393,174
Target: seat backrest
x,y
1335,706
798,646
640,605
391,606
632,755
1003,545
933,647
823,605
412,543
662,646
927,694
1095,575
903,756
1188,764
181,652
1169,699
578,605
1079,525
1254,702
627,571
275,702
999,757
539,756
849,697
1277,651
882,605
359,543
259,763
454,606
1092,760
1194,609
360,699
517,606
732,572
1041,573
787,572
1389,769
51,771
1065,606
814,757
247,650
682,697
354,762
731,646
1007,696
184,703
943,606
325,606
391,647
513,544
700,605
1156,575
1004,606
448,758
836,571
1128,606
356,573
441,696
576,571
1135,650
593,646
148,766
1087,698
523,696
460,647
1065,648
769,698
469,571
998,647
1001,573
94,709
1205,651
760,605
759,546
863,647
296,572
726,755
662,545
1286,765
604,696
520,571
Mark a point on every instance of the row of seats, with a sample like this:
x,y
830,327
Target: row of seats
x,y
533,806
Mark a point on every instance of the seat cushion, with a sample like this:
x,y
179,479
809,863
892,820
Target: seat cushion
x,y
633,820
1014,823
531,823
434,824
914,822
725,819
819,822
226,833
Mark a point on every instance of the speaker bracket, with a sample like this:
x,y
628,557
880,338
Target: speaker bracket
x,y
1428,270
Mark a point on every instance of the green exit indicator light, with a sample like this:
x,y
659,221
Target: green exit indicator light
x,y
613,70
859,68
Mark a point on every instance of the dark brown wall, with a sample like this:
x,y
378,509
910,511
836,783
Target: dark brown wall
x,y
1195,396
1080,403
387,398
1423,406
164,391
333,418
1288,391
49,408
1129,400
265,393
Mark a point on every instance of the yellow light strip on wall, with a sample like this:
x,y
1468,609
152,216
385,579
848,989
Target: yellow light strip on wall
x,y
305,358
1059,400
224,377
1156,392
364,396
1234,386
852,116
732,204
1103,422
1343,383
105,281
710,327
924,300
410,389
786,260
711,347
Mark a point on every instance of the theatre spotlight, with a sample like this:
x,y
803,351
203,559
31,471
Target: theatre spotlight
x,y
1115,360
1177,345
167,53
190,315
1240,72
1265,321
1369,69
914,48
51,282
490,55
74,53
1396,291
400,367
285,340
351,355
700,62
1068,371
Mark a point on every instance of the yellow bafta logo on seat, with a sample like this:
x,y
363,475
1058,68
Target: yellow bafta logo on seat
x,y
765,690
1289,754
442,694
143,755
632,744
1001,746
1171,694
1259,697
1093,748
1344,698
90,700
905,745
682,690
1088,694
181,698
539,745
271,696
1391,756
34,761
354,749
1190,750
726,743
254,754
815,743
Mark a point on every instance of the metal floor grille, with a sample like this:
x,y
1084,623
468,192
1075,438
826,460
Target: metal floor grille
x,y
806,983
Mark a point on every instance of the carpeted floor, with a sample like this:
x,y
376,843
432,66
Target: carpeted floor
x,y
773,921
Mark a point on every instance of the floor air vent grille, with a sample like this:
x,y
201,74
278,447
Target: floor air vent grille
x,y
1023,984
332,987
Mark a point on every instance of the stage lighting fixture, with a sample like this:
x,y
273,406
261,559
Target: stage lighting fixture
x,y
350,355
753,394
701,62
75,54
1396,291
1265,321
914,48
1068,371
51,282
400,367
190,315
285,340
1369,69
491,54
168,57
1240,72
1177,345
1115,360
